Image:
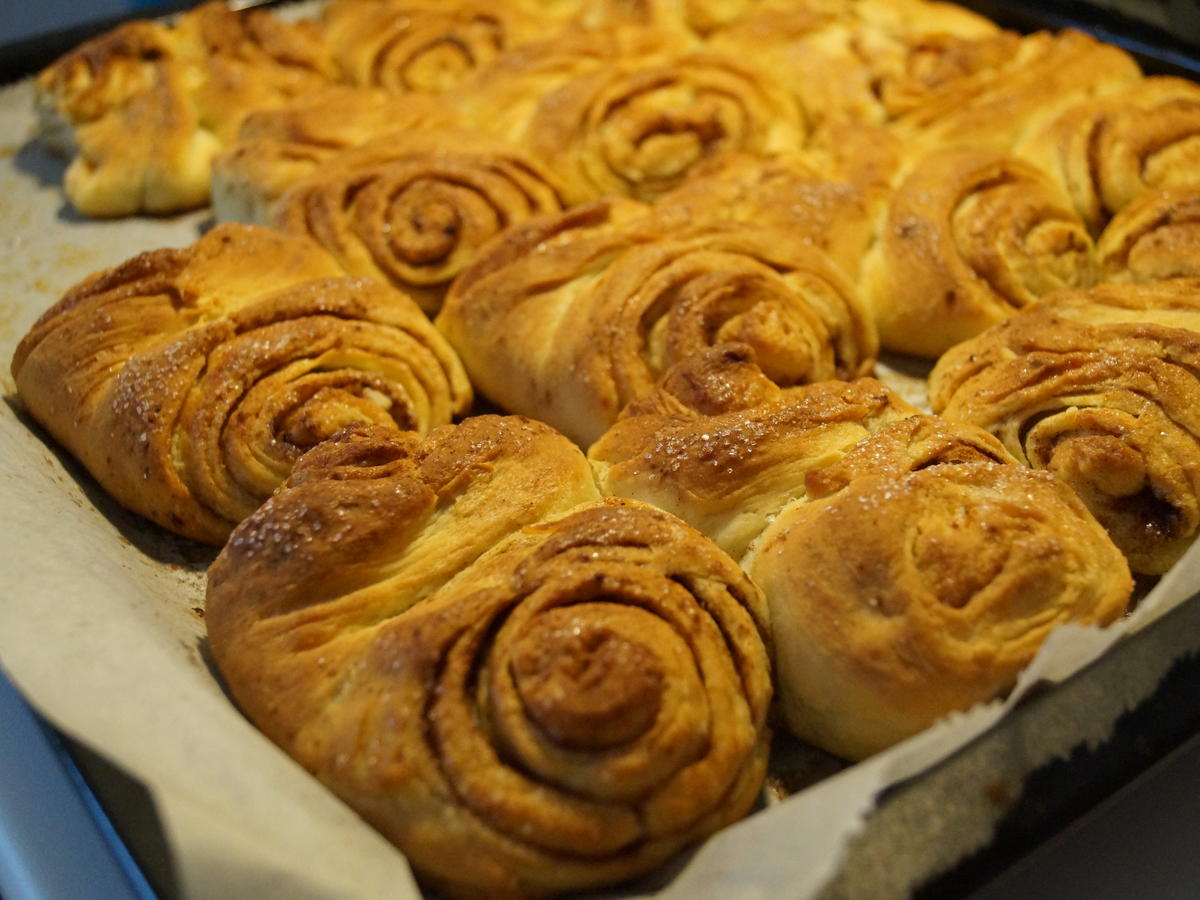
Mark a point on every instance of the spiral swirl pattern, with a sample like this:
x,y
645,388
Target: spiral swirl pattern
x,y
424,47
408,211
946,580
1107,151
1098,387
280,146
1020,88
863,61
593,305
637,128
970,236
1155,237
189,383
566,711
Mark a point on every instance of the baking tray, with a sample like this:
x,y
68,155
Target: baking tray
x,y
991,802
1160,51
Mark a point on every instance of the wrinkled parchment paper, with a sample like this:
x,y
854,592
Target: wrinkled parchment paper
x,y
101,628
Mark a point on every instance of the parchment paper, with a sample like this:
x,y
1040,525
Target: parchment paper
x,y
101,628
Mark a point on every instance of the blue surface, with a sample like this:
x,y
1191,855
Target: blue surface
x,y
55,840
20,20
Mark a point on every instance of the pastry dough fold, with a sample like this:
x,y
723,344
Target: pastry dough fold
x,y
911,566
1107,150
1153,238
141,111
569,318
1100,388
918,578
413,209
969,237
188,382
526,694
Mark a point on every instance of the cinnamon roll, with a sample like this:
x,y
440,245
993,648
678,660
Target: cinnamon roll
x,y
917,577
911,566
1107,151
526,695
782,191
423,46
504,96
181,91
92,99
1155,237
189,381
413,209
280,146
1017,93
1100,388
722,447
969,237
866,61
638,128
567,318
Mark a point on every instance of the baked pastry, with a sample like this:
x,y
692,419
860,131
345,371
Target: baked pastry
x,y
912,568
278,147
1100,388
1155,237
525,694
969,237
725,449
413,209
182,91
425,46
997,106
637,128
567,318
867,61
814,205
918,577
504,96
189,381
1107,151
123,83
242,61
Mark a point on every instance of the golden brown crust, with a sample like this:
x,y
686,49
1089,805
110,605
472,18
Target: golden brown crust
x,y
526,695
637,130
182,91
1099,387
723,448
866,61
913,591
413,209
1153,238
1107,151
816,207
188,381
423,46
996,107
569,318
279,146
969,237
